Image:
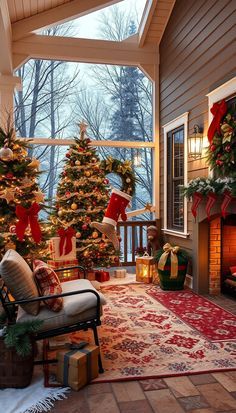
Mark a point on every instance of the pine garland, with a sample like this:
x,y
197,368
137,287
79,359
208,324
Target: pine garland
x,y
19,336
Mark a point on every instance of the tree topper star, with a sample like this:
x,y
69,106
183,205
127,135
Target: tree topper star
x,y
148,207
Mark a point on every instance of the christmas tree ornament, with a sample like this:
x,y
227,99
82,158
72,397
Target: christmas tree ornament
x,y
68,155
78,234
34,164
77,163
26,182
28,217
12,229
116,208
95,234
128,180
9,175
8,194
74,206
84,227
6,153
68,194
60,213
87,173
39,196
93,160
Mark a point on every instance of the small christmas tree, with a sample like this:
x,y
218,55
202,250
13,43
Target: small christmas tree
x,y
19,198
82,197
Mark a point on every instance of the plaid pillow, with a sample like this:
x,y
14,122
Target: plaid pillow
x,y
48,284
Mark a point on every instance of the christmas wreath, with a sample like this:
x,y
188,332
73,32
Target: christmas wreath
x,y
123,170
221,154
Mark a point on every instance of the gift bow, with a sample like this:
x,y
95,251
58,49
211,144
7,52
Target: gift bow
x,y
173,251
28,217
65,240
218,110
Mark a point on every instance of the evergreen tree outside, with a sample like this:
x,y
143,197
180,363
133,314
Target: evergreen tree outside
x,y
82,196
19,190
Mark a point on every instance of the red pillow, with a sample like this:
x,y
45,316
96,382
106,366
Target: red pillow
x,y
233,270
48,284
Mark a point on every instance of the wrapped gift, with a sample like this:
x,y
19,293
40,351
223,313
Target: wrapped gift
x,y
120,273
145,269
78,365
66,275
101,276
172,267
57,253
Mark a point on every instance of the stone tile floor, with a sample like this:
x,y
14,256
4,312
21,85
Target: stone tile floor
x,y
201,393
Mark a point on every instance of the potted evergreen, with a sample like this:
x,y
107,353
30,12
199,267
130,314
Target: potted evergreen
x,y
172,263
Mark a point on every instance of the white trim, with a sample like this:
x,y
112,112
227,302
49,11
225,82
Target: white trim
x,y
71,141
175,233
221,92
110,221
122,194
176,123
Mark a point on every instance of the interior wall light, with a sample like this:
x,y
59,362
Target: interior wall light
x,y
137,158
195,142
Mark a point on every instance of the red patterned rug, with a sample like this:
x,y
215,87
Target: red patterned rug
x,y
141,338
212,321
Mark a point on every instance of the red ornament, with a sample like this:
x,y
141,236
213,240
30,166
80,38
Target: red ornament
x,y
68,194
212,148
219,162
64,173
106,181
9,175
87,219
84,227
68,155
116,259
228,148
219,155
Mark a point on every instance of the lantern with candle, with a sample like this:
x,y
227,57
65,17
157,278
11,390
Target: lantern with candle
x,y
145,269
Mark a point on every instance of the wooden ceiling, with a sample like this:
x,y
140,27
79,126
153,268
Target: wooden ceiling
x,y
21,9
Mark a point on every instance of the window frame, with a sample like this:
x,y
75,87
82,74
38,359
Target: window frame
x,y
171,126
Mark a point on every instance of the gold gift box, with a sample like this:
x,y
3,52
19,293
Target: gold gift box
x,y
76,368
145,269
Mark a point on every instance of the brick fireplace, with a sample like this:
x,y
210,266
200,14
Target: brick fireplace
x,y
214,249
222,250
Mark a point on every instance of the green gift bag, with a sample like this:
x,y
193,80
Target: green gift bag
x,y
172,265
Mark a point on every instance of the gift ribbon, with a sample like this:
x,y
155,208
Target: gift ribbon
x,y
28,217
65,240
168,249
218,110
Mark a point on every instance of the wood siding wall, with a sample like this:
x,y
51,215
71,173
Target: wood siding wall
x,y
197,54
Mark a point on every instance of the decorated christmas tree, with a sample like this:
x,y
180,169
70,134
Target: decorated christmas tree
x,y
82,196
20,198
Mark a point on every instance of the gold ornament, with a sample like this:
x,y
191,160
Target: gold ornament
x,y
60,213
74,206
6,154
128,180
87,173
77,163
86,253
81,192
8,195
78,234
34,164
95,234
39,196
10,246
109,163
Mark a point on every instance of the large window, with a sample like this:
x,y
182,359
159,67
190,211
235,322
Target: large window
x,y
175,176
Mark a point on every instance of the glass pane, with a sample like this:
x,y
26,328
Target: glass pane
x,y
178,204
178,153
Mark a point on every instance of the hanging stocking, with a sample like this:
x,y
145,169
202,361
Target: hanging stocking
x,y
225,203
211,200
116,207
197,197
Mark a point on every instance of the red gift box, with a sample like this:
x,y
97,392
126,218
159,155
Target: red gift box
x,y
66,275
102,276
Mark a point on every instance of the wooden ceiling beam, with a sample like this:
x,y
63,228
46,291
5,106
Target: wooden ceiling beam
x,y
58,15
82,50
5,39
146,20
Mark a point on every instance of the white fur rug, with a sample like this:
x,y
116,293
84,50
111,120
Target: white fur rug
x,y
32,399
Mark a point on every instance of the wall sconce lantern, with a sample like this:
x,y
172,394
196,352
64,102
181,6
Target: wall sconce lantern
x,y
145,269
137,158
195,143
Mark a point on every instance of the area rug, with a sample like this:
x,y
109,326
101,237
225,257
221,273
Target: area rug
x,y
140,338
212,321
32,399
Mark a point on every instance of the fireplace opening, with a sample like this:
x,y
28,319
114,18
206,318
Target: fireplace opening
x,y
228,254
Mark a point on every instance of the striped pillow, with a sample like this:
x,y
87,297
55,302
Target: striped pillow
x,y
48,284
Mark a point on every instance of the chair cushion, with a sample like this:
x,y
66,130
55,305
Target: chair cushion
x,y
78,303
48,284
18,277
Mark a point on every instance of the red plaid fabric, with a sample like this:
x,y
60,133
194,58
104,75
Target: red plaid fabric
x,y
48,284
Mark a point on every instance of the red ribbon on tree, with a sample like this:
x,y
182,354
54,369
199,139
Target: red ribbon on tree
x,y
28,217
218,110
225,203
211,200
65,235
197,197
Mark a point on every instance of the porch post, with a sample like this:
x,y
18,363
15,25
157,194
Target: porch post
x,y
156,139
8,83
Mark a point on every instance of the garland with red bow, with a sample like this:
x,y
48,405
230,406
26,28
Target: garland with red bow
x,y
221,154
28,217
